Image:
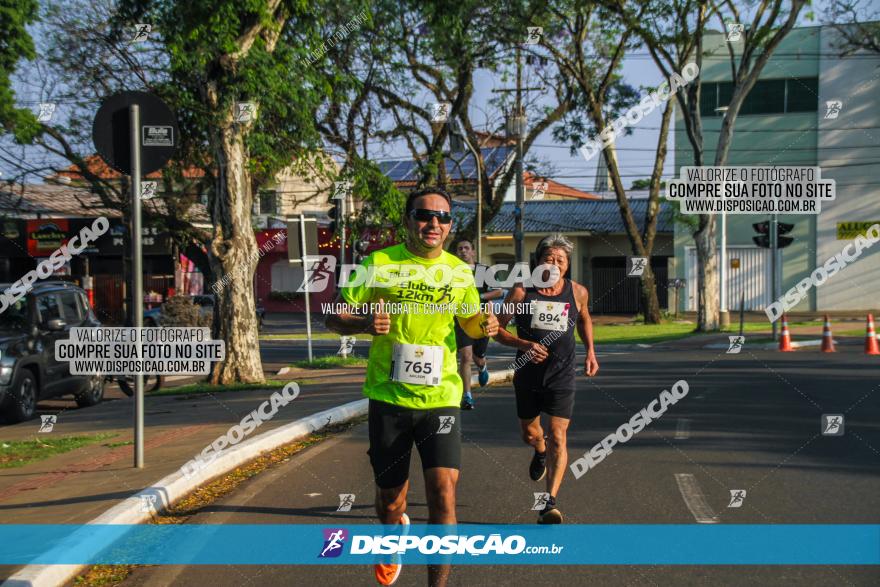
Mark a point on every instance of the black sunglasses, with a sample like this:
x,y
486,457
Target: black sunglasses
x,y
425,215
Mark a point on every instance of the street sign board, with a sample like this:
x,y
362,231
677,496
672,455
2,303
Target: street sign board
x,y
159,138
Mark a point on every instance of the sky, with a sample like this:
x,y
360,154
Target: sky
x,y
635,151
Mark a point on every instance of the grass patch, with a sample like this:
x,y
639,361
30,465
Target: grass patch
x,y
637,333
331,362
18,453
118,444
315,336
104,576
196,388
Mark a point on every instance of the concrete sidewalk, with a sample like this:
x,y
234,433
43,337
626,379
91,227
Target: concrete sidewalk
x,y
77,486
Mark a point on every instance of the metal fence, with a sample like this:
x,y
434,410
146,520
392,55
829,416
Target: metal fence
x,y
615,293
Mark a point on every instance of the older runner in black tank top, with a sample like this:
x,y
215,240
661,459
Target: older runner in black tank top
x,y
544,380
554,319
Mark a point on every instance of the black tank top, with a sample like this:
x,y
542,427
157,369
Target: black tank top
x,y
556,372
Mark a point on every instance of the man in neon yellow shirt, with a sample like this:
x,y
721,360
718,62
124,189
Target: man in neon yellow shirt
x,y
412,380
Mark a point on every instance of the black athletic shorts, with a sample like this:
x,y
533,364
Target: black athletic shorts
x,y
531,400
462,339
393,431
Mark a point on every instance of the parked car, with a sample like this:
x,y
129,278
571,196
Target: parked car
x,y
29,328
151,316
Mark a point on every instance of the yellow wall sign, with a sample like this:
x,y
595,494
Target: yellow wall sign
x,y
850,230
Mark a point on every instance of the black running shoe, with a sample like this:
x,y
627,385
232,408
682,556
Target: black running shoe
x,y
538,466
550,515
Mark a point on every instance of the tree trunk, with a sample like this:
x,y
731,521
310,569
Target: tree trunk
x,y
234,250
707,276
650,302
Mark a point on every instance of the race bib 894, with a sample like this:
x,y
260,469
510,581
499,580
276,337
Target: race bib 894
x,y
550,315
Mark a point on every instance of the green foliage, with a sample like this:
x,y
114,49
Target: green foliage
x,y
690,221
16,44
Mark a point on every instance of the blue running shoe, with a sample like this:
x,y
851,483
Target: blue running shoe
x,y
483,376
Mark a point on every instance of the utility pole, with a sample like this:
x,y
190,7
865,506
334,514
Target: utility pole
x,y
774,262
519,209
516,127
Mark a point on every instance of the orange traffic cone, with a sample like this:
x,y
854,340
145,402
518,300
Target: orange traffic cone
x,y
785,337
827,339
871,346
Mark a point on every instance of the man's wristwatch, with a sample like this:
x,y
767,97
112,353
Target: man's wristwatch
x,y
371,320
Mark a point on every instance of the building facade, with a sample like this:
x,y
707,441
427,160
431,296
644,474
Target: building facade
x,y
811,107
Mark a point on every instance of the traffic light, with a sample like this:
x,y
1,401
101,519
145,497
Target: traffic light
x,y
360,248
763,238
334,215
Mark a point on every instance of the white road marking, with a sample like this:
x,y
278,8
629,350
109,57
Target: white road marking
x,y
683,429
694,499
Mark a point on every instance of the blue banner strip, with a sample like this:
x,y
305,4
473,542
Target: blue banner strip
x,y
669,544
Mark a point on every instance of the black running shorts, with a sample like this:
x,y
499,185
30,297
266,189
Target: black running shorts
x,y
531,400
393,431
480,345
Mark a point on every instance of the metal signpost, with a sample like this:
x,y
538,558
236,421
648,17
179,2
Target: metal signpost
x,y
301,238
136,134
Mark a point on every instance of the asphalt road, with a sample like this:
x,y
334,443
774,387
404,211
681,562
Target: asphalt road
x,y
750,421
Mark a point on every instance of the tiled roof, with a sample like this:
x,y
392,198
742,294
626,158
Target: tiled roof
x,y
555,188
74,202
97,166
544,216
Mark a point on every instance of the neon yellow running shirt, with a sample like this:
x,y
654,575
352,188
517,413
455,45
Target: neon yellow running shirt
x,y
431,303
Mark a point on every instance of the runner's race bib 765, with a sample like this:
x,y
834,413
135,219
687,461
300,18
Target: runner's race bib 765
x,y
550,315
416,363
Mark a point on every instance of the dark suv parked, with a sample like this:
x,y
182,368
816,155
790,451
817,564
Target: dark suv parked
x,y
29,328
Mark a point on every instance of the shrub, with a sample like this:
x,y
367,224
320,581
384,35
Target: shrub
x,y
181,311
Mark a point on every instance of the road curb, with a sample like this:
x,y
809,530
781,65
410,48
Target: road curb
x,y
176,485
767,346
495,377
